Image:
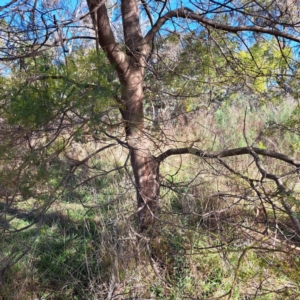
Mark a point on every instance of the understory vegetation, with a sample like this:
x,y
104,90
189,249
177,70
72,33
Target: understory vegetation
x,y
217,236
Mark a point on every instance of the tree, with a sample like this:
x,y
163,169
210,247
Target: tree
x,y
166,61
131,63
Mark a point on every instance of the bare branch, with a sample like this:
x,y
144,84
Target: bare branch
x,y
8,4
147,12
228,153
188,14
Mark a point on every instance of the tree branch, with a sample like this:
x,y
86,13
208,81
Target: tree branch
x,y
106,36
228,153
188,14
131,26
7,5
147,12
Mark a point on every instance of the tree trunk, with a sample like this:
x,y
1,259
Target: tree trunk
x,y
146,174
145,166
130,69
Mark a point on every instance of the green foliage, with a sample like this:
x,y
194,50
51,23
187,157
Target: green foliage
x,y
45,90
293,120
264,64
202,72
34,105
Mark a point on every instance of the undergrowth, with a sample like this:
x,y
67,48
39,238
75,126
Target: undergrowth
x,y
216,235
